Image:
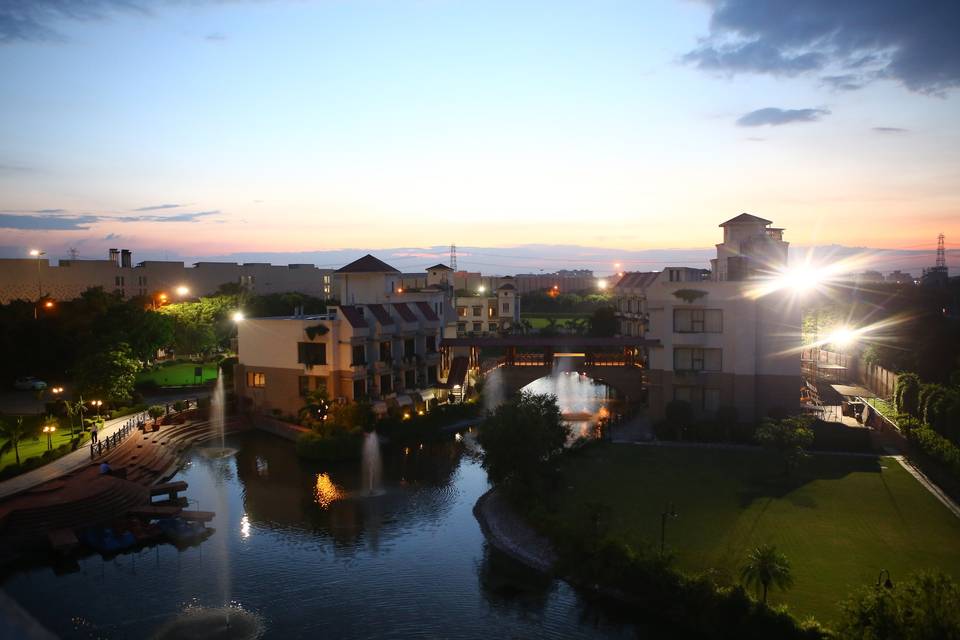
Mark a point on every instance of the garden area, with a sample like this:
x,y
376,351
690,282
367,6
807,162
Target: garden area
x,y
839,520
34,443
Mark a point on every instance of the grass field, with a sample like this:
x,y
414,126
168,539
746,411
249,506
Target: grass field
x,y
839,522
540,321
30,448
178,375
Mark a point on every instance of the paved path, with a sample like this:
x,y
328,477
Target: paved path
x,y
63,465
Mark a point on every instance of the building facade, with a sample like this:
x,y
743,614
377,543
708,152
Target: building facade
x,y
721,343
495,313
380,344
32,278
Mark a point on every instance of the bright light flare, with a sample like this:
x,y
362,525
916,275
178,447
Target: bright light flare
x,y
481,289
842,337
237,316
182,290
601,284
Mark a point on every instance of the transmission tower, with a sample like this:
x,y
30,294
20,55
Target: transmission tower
x,y
453,257
941,253
74,253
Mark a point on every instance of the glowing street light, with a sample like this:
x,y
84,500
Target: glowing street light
x,y
481,289
601,284
97,404
48,430
237,316
182,290
36,253
842,337
48,304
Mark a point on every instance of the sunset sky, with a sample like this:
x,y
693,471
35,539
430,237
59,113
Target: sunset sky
x,y
211,127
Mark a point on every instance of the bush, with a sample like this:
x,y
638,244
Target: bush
x,y
937,447
833,436
313,446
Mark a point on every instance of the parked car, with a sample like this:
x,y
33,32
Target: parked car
x,y
30,384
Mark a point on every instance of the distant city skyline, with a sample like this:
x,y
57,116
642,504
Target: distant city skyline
x,y
213,128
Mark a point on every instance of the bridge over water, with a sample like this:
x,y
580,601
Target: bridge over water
x,y
619,362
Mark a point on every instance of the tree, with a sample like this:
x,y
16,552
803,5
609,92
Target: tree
x,y
924,607
788,438
156,412
907,394
108,374
603,322
766,567
521,437
13,433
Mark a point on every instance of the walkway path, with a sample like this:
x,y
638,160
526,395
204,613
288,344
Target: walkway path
x,y
63,465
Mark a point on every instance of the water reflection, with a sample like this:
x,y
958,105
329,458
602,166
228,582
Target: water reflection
x,y
309,559
585,403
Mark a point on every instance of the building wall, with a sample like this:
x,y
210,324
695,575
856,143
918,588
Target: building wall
x,y
70,278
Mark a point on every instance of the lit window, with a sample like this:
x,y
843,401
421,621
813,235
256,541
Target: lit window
x,y
256,379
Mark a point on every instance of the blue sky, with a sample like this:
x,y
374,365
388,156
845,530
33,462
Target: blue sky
x,y
296,125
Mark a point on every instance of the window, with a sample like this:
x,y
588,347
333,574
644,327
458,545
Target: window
x,y
693,395
698,320
432,375
477,310
505,308
256,379
410,378
461,327
711,399
326,279
359,355
491,311
462,312
478,326
695,359
359,389
303,385
311,353
409,348
492,326
386,384
386,352
431,344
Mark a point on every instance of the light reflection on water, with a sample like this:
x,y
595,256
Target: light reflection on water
x,y
583,401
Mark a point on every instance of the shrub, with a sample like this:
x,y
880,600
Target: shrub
x,y
313,446
179,405
937,447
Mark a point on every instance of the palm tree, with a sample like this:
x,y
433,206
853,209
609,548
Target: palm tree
x,y
13,433
766,567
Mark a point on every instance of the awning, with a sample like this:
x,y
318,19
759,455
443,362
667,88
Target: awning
x,y
427,395
852,391
404,400
379,406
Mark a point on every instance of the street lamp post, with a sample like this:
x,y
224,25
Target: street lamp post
x,y
668,512
36,253
886,584
49,429
97,404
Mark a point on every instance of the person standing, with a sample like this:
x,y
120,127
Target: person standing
x,y
93,433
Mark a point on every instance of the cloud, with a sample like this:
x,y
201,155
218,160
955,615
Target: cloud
x,y
215,37
890,130
157,207
14,168
60,220
180,217
48,222
774,117
844,82
32,20
912,43
112,236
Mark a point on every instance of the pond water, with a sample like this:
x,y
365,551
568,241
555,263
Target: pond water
x,y
582,400
298,549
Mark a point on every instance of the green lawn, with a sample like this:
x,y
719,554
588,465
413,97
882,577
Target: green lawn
x,y
30,448
840,522
178,375
540,321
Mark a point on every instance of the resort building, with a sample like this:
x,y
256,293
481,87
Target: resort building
x,y
32,278
493,313
724,341
381,343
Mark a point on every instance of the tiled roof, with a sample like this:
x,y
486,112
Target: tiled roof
x,y
381,314
439,267
746,217
427,311
636,280
458,371
506,286
367,264
405,313
354,316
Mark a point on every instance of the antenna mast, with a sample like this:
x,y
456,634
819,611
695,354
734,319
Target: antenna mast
x,y
453,256
941,253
